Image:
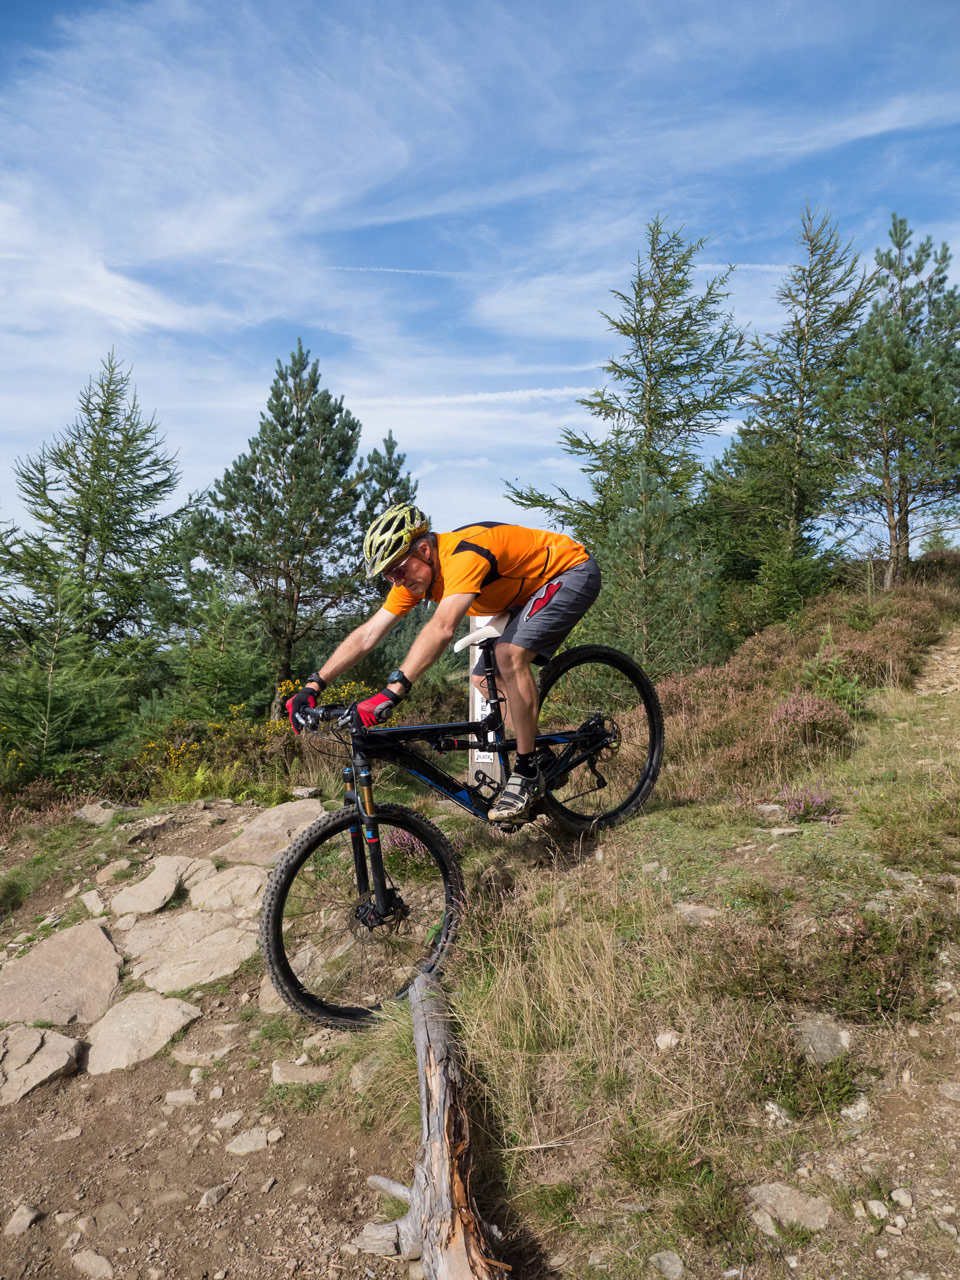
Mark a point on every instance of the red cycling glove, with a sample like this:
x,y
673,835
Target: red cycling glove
x,y
376,709
305,698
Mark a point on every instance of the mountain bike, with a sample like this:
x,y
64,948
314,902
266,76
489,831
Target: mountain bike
x,y
371,895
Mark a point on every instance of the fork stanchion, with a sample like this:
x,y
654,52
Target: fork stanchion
x,y
478,707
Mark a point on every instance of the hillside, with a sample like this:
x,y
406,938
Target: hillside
x,y
723,1037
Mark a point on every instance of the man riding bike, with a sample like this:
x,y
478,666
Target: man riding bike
x,y
542,582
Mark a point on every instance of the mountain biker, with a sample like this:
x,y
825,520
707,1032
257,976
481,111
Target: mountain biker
x,y
543,582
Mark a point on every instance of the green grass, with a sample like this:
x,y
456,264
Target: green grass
x,y
302,1099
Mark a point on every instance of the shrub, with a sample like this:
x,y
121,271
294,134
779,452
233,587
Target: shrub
x,y
807,803
811,720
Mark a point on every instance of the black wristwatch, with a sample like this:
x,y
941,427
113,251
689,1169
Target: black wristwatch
x,y
397,677
316,678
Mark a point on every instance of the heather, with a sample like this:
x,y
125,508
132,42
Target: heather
x,y
792,695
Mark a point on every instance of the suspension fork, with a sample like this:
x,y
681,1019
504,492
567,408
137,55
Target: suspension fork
x,y
365,834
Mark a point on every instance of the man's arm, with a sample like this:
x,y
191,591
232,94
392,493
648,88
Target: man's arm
x,y
434,637
357,645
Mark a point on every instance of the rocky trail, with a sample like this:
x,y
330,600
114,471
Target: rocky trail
x,y
138,1137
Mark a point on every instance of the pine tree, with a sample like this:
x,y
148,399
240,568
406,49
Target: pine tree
x,y
660,598
767,497
895,403
675,383
287,517
94,496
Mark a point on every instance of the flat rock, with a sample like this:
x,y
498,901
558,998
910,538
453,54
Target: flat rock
x,y
228,1121
97,813
292,1073
29,1057
239,886
112,869
771,811
265,838
182,1098
202,1057
188,949
668,1263
136,1029
248,1141
695,914
69,977
950,1089
782,833
149,895
822,1039
92,1264
306,793
24,1216
93,902
213,1195
788,1205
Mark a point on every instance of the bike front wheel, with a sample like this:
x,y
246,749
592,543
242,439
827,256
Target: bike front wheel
x,y
598,686
324,953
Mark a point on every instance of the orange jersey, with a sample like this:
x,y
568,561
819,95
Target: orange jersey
x,y
503,565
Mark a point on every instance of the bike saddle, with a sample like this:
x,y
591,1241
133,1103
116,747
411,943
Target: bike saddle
x,y
489,632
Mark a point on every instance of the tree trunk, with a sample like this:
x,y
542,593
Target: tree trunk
x,y
442,1226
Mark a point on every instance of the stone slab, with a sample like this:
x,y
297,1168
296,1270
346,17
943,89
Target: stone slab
x,y
189,949
147,896
270,832
238,886
29,1057
67,978
136,1029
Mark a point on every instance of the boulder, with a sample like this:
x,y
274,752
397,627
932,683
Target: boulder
x,y
270,832
189,949
29,1057
136,1029
788,1205
239,886
69,977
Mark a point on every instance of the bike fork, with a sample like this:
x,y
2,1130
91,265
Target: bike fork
x,y
365,835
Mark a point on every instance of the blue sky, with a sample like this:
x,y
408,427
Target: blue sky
x,y
437,197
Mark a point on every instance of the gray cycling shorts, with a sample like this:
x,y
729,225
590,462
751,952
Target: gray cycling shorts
x,y
544,621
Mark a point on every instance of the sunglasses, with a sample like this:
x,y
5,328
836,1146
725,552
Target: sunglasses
x,y
397,575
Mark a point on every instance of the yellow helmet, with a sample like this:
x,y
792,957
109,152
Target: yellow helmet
x,y
391,535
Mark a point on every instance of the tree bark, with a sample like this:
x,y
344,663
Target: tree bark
x,y
442,1226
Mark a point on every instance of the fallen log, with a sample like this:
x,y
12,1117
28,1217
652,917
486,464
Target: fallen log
x,y
442,1226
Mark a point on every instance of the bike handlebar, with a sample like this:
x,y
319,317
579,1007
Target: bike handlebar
x,y
312,717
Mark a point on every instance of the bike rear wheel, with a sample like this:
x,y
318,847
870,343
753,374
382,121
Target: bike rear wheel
x,y
324,958
593,683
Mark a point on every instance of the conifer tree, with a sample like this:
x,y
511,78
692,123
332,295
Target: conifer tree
x,y
676,381
94,496
895,402
287,517
765,498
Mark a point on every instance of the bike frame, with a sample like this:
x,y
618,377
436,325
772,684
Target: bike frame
x,y
391,746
